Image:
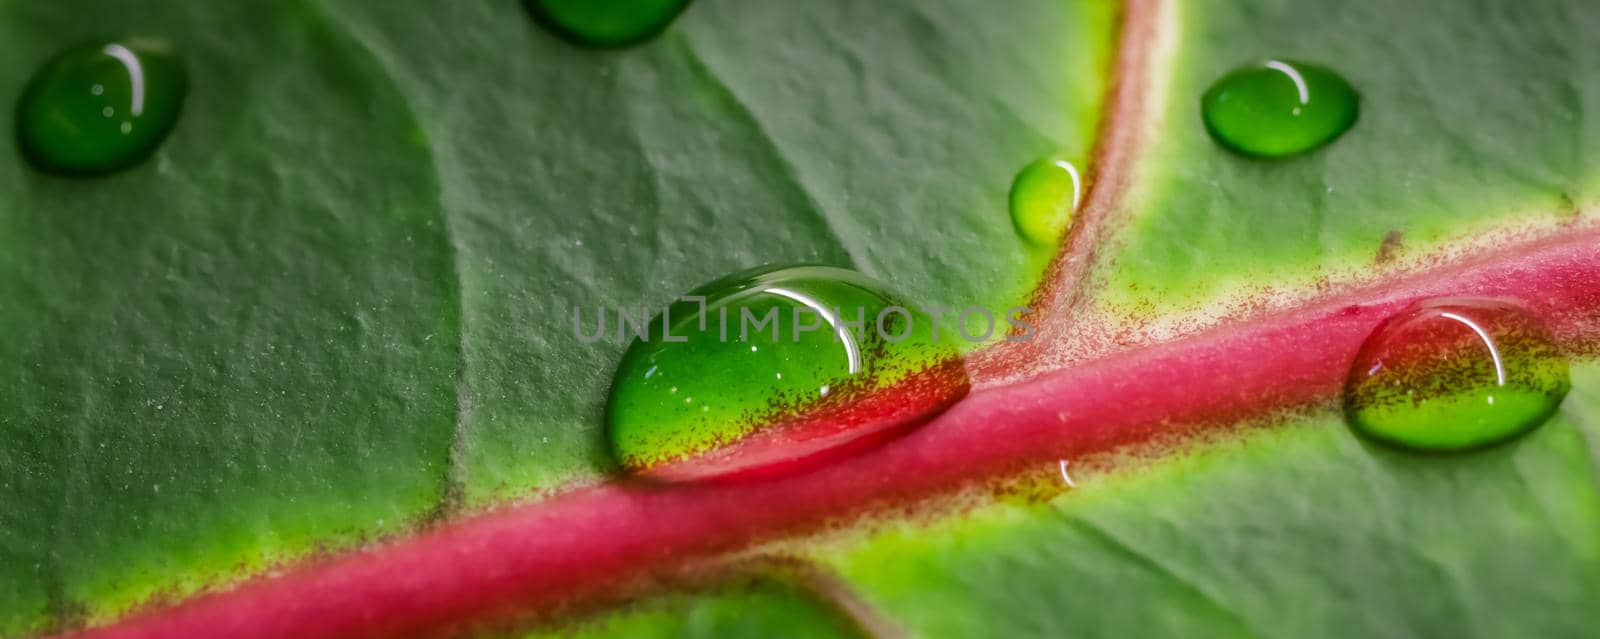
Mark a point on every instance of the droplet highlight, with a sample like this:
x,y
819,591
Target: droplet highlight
x,y
778,369
1279,108
606,23
1452,374
100,106
1044,197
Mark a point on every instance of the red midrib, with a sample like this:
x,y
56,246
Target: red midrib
x,y
583,543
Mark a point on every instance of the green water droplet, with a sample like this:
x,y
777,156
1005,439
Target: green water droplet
x,y
1455,373
100,106
606,23
1279,108
735,398
1044,197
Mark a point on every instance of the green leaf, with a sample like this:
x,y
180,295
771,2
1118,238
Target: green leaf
x,y
1472,136
241,350
335,304
1300,529
880,137
334,307
1472,132
754,607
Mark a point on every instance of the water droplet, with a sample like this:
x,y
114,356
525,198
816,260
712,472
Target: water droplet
x,y
1279,108
100,106
1044,197
857,372
1455,373
606,23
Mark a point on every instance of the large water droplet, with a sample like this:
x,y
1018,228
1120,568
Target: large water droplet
x,y
1455,373
733,396
100,106
1044,197
1279,108
606,23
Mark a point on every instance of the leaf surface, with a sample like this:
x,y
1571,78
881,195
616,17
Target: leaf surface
x,y
1473,133
335,305
1472,137
1297,529
878,137
240,350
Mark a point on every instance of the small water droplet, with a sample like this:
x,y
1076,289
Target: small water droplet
x,y
804,397
606,23
1279,108
1044,196
64,120
1455,373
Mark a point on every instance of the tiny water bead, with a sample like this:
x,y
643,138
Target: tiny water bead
x,y
100,106
1455,373
1279,108
606,23
1044,197
777,368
